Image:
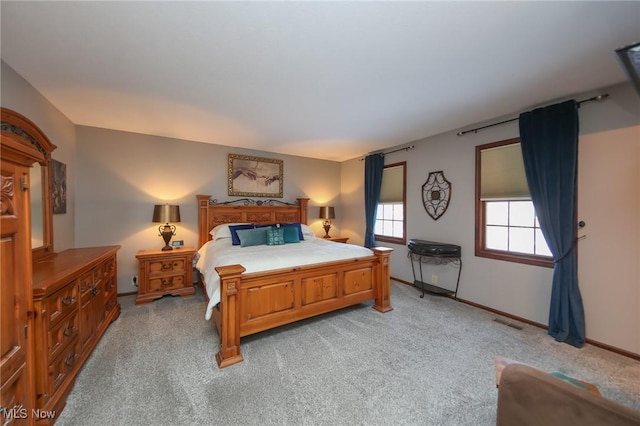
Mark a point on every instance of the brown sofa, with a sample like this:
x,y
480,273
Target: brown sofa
x,y
528,397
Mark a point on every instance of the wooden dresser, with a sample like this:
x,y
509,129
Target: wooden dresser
x,y
75,300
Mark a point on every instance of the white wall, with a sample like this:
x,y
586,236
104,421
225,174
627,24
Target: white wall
x,y
19,95
517,289
121,175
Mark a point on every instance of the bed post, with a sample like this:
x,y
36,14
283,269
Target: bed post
x,y
203,219
229,353
382,280
302,202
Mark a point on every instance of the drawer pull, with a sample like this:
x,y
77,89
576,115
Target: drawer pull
x,y
68,300
68,332
167,282
70,360
167,265
94,290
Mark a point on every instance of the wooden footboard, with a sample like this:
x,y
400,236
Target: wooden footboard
x,y
255,302
250,303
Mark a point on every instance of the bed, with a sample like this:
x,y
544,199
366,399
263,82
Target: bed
x,y
249,301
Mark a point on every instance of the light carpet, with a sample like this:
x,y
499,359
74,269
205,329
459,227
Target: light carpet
x,y
428,362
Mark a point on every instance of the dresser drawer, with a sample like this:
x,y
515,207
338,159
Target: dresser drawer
x,y
61,334
61,366
166,283
105,270
61,303
110,287
85,282
110,305
167,266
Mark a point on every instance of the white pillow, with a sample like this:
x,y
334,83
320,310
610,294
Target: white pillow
x,y
306,230
223,231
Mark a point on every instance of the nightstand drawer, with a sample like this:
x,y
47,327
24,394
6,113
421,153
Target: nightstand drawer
x,y
167,266
166,283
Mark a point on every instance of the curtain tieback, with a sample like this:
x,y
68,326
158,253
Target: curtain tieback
x,y
566,253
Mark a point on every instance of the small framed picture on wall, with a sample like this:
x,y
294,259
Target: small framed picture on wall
x,y
59,187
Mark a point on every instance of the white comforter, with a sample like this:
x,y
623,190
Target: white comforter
x,y
263,258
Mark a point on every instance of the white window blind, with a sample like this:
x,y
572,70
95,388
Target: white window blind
x,y
392,185
502,174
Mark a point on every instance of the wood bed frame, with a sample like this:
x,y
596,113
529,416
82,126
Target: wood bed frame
x,y
250,303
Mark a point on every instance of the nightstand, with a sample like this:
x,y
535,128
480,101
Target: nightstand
x,y
165,272
338,239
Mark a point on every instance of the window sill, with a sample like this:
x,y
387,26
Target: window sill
x,y
546,262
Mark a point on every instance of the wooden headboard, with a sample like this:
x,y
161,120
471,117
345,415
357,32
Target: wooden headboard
x,y
211,214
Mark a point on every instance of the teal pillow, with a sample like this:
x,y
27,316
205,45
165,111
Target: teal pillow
x,y
275,236
297,227
252,237
291,234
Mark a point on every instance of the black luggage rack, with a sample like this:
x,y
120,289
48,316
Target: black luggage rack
x,y
422,251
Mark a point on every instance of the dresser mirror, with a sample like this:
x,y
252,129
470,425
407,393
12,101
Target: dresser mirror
x,y
22,129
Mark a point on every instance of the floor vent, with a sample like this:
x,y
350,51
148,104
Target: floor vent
x,y
507,323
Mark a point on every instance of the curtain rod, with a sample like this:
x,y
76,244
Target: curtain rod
x,y
406,148
595,98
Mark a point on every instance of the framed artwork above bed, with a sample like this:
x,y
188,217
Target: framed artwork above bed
x,y
254,176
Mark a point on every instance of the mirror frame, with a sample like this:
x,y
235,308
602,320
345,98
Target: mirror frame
x,y
20,128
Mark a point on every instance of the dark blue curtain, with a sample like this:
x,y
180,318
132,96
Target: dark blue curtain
x,y
373,167
549,141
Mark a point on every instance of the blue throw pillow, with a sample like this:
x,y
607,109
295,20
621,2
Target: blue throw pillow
x,y
252,237
275,236
234,235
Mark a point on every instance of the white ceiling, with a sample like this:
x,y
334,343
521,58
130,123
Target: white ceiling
x,y
330,80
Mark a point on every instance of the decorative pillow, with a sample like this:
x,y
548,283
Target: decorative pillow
x,y
275,236
297,226
290,234
234,232
223,231
252,237
306,230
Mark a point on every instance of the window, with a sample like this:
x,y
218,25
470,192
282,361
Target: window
x,y
391,214
506,224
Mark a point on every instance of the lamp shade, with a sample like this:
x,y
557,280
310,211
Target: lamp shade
x,y
327,213
166,213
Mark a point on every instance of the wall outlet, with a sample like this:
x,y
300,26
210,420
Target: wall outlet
x,y
434,279
134,280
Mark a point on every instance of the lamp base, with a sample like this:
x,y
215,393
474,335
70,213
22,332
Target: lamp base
x,y
166,232
327,227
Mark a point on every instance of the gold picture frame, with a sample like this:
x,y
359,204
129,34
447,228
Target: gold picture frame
x,y
254,176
